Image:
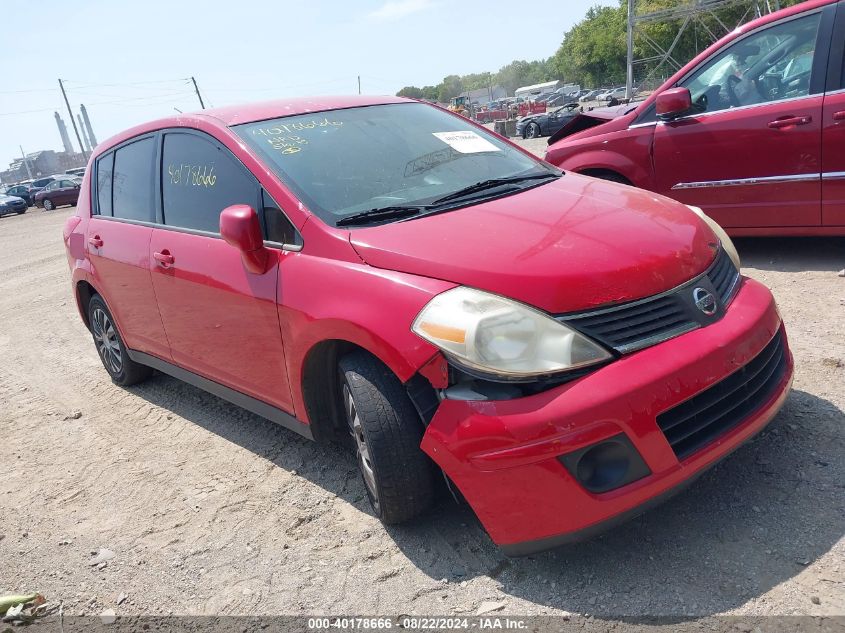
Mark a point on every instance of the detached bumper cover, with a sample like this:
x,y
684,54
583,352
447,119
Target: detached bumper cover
x,y
502,455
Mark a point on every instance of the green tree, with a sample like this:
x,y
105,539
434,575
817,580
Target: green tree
x,y
412,92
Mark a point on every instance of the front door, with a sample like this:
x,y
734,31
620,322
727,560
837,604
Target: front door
x,y
221,320
749,153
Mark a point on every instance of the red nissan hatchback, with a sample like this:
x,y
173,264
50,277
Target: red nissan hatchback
x,y
566,350
752,130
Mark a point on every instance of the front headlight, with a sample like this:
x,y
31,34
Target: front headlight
x,y
496,335
727,244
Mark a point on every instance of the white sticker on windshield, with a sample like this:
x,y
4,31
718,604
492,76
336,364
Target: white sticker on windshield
x,y
466,142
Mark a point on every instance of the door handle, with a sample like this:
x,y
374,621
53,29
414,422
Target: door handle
x,y
164,258
95,241
789,121
839,116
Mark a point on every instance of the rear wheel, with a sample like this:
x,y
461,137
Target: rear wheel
x,y
48,204
532,130
386,433
122,369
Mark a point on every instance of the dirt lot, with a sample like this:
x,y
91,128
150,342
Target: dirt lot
x,y
210,510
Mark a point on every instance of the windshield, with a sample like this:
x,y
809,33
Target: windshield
x,y
344,162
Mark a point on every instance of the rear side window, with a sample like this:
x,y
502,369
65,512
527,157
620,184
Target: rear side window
x,y
198,180
105,166
132,182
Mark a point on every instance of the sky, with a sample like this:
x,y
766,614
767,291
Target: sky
x,y
130,61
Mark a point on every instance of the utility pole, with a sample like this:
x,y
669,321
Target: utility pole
x,y
359,84
26,163
196,88
73,121
629,78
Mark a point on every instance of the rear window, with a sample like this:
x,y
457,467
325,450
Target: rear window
x,y
132,181
105,166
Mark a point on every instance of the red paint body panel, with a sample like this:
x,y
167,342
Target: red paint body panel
x,y
563,249
221,320
120,271
833,160
732,144
502,455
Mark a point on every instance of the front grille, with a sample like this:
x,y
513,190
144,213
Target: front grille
x,y
638,324
723,275
698,421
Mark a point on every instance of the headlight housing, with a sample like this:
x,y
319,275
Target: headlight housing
x,y
495,335
726,241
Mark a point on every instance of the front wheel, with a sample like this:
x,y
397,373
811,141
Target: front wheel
x,y
386,433
122,369
48,204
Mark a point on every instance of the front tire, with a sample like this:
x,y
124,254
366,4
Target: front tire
x,y
110,348
48,204
386,433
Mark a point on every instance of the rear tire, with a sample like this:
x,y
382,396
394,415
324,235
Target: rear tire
x,y
386,432
532,130
110,348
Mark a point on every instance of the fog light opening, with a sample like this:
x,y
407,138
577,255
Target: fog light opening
x,y
606,465
603,467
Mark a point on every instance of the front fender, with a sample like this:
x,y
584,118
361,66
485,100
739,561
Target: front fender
x,y
636,172
323,300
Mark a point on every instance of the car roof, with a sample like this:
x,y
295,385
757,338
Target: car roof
x,y
251,112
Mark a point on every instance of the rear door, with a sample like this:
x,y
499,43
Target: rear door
x,y
118,242
833,130
750,154
221,320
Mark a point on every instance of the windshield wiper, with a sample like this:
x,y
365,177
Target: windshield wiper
x,y
382,213
491,184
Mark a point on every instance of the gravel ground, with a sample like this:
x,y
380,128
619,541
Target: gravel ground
x,y
163,499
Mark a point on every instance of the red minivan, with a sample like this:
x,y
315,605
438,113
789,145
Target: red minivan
x,y
563,349
752,130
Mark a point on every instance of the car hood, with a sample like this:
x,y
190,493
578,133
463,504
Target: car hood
x,y
5,198
569,245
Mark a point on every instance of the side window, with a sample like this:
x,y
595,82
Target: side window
x,y
52,186
279,227
773,64
105,166
132,182
198,180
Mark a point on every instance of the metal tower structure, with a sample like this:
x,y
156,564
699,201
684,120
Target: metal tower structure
x,y
688,13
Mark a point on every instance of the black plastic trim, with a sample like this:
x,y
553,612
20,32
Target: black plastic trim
x,y
259,407
637,469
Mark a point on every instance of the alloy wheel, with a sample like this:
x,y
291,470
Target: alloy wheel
x,y
531,131
105,337
48,204
362,450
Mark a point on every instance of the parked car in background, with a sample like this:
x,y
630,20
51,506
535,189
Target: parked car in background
x,y
616,93
59,192
546,123
590,95
38,184
752,130
566,350
12,204
21,191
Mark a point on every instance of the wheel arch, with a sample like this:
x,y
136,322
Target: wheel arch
x,y
320,380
